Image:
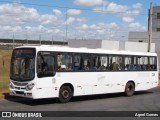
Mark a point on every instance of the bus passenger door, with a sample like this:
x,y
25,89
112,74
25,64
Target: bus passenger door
x,y
45,74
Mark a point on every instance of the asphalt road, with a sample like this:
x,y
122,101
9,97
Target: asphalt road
x,y
141,101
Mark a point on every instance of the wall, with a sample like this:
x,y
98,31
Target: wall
x,y
84,43
110,45
139,46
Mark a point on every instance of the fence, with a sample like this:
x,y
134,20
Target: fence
x,y
9,44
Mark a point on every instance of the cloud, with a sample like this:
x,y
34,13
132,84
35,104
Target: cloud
x,y
135,26
19,19
88,2
10,28
130,15
137,6
111,8
73,12
98,26
116,8
127,19
127,13
47,19
54,31
70,20
18,13
84,27
82,20
57,12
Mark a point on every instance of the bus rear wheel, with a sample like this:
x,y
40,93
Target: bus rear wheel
x,y
65,94
130,88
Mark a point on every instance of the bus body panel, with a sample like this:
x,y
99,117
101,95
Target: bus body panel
x,y
97,83
88,82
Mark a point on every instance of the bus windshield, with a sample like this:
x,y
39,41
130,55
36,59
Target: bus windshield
x,y
23,64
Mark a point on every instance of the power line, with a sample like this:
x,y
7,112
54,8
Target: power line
x,y
85,9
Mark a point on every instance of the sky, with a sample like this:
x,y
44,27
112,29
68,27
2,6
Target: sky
x,y
73,19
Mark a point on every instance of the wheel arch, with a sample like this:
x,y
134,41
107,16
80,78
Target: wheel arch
x,y
69,85
131,82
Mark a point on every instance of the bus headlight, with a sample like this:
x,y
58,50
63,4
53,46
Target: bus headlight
x,y
30,86
11,85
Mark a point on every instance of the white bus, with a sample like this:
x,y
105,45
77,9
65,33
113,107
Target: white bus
x,y
62,72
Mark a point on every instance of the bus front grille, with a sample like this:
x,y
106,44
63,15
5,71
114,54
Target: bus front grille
x,y
19,92
19,83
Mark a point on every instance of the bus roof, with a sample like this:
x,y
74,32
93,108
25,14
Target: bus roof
x,y
86,50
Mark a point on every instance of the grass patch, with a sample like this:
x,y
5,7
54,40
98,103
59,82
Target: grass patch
x,y
5,55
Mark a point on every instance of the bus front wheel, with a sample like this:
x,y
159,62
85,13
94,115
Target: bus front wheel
x,y
130,88
65,94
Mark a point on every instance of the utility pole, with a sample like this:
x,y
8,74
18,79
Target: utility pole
x,y
40,39
52,39
66,24
13,41
150,28
27,38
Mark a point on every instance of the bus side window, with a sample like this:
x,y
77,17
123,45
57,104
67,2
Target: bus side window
x,y
64,61
130,63
143,63
103,63
95,59
115,63
85,64
153,63
77,62
45,64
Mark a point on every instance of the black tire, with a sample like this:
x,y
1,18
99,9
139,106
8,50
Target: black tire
x,y
65,94
130,89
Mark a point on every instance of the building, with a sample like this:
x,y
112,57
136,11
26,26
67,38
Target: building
x,y
144,36
155,19
111,45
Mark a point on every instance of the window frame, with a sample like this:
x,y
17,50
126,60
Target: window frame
x,y
158,29
101,54
125,56
56,57
54,67
158,15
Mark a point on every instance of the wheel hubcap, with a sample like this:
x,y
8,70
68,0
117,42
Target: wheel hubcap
x,y
65,94
130,88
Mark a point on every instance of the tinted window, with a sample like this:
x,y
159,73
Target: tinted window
x,y
23,64
143,63
130,63
64,61
45,64
115,63
153,63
